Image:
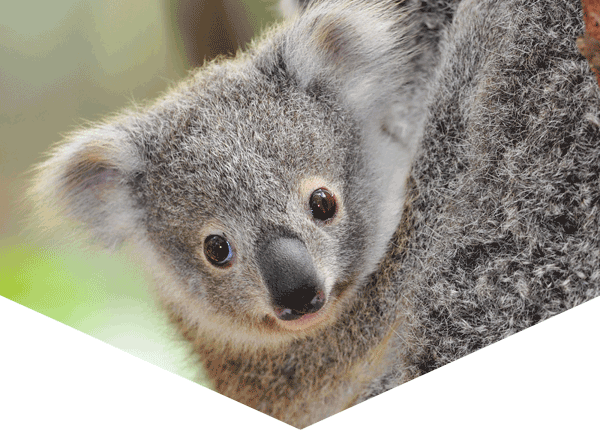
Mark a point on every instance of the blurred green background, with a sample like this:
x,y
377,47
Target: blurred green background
x,y
65,62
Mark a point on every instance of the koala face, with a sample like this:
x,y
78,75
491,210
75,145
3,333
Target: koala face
x,y
263,190
257,199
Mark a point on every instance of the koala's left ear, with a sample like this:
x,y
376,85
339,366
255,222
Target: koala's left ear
x,y
89,179
360,50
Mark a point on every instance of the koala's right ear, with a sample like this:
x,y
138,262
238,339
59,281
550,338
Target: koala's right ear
x,y
89,178
361,50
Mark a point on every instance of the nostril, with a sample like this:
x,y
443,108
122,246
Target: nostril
x,y
287,314
316,303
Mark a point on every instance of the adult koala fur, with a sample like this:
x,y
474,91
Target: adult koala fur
x,y
312,258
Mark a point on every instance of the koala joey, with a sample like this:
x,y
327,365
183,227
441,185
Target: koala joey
x,y
263,190
270,194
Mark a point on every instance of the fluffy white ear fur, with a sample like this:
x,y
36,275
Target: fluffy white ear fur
x,y
353,48
87,179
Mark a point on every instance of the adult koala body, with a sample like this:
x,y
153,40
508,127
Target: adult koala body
x,y
266,192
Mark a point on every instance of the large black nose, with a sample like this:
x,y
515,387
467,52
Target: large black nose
x,y
291,278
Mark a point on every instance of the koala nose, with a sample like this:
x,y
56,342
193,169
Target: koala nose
x,y
291,278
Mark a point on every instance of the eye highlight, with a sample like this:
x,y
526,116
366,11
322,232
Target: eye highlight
x,y
322,204
218,250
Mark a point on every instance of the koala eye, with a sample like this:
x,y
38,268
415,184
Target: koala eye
x,y
322,204
217,250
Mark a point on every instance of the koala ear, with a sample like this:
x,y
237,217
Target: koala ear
x,y
359,50
89,179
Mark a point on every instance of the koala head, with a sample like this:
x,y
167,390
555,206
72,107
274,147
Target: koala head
x,y
264,189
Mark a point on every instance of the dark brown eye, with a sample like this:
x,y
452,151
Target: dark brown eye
x,y
217,250
322,204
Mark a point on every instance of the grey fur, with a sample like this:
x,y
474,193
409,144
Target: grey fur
x,y
500,223
511,154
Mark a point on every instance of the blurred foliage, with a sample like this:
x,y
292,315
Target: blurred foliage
x,y
66,62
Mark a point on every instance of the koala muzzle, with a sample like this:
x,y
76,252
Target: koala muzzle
x,y
291,278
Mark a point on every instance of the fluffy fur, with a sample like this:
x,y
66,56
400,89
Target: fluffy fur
x,y
504,207
499,228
